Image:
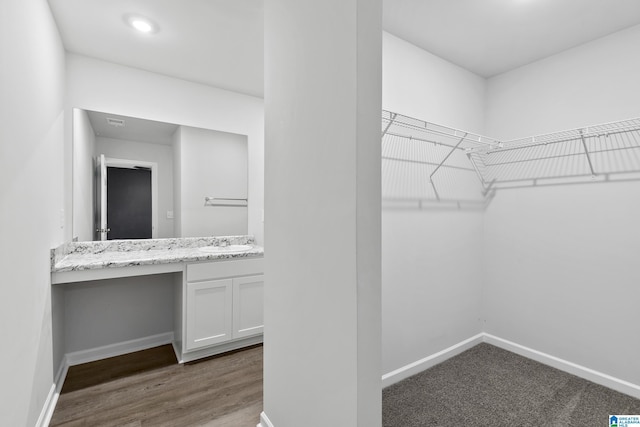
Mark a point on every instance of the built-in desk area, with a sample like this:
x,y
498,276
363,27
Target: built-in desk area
x,y
217,286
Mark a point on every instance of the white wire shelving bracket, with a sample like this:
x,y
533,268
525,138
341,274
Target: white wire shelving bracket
x,y
428,164
425,164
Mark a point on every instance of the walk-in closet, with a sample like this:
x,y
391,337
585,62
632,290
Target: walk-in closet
x,y
509,216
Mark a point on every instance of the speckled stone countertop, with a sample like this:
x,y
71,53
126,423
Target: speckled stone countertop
x,y
78,256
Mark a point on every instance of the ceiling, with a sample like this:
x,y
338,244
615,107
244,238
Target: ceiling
x,y
214,42
131,129
489,37
220,42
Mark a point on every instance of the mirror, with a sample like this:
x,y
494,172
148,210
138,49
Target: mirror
x,y
138,178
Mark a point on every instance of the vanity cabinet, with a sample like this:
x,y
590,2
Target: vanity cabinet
x,y
217,295
219,307
248,306
208,309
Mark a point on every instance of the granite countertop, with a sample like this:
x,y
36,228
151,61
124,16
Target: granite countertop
x,y
79,256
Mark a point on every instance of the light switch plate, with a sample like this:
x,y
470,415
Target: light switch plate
x,y
169,214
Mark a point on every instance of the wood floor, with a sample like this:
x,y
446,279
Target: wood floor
x,y
149,388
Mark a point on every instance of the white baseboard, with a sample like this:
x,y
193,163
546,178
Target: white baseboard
x,y
580,371
429,361
387,379
52,399
118,349
566,366
264,421
216,349
47,409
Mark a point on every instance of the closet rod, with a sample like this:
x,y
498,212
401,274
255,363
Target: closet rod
x,y
398,200
577,179
547,178
420,162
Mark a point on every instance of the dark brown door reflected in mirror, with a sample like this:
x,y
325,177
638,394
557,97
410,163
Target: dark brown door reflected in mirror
x,y
129,203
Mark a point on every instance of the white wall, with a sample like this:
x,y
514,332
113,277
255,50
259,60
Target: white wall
x,y
31,200
104,312
161,154
431,259
590,84
213,164
322,277
84,140
103,86
419,84
561,262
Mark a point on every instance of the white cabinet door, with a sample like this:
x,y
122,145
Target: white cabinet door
x,y
248,306
208,313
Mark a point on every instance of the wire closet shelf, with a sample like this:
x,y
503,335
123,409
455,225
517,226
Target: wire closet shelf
x,y
425,162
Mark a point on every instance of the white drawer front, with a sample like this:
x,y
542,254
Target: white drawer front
x,y
226,268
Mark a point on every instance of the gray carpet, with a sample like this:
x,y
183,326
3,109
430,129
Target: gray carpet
x,y
488,386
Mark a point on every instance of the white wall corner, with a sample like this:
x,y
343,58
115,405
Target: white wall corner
x,y
429,361
264,421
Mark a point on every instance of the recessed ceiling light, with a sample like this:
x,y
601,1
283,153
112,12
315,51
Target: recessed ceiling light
x,y
141,24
